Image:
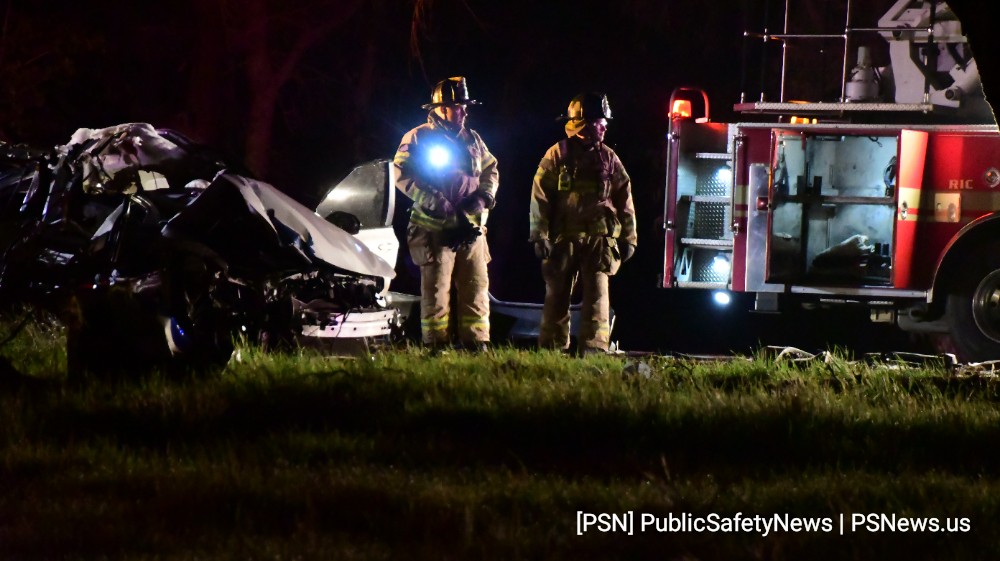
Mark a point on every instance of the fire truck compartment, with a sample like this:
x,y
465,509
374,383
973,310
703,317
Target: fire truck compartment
x,y
704,209
833,209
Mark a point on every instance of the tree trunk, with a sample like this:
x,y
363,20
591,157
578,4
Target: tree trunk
x,y
268,70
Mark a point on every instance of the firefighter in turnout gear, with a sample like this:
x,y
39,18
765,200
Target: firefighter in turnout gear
x,y
450,175
582,225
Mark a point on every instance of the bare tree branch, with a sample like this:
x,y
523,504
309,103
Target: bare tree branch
x,y
418,25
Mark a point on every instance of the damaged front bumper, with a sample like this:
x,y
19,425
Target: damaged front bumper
x,y
378,323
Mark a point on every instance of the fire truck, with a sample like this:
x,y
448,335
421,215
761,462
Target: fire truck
x,y
886,197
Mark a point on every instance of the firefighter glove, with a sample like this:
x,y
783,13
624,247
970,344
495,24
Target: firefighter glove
x,y
543,249
463,236
627,251
440,206
474,204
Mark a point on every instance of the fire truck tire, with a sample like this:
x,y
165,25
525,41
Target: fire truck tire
x,y
974,306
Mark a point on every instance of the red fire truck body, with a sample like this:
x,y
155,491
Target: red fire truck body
x,y
892,204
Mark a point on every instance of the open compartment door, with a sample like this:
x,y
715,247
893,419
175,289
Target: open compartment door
x,y
832,201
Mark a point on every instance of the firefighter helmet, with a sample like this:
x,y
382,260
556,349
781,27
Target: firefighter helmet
x,y
450,91
588,107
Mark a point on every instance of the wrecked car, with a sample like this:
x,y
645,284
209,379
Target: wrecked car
x,y
154,249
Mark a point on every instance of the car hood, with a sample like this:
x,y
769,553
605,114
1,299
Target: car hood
x,y
325,241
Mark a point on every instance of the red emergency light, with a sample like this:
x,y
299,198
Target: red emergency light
x,y
681,109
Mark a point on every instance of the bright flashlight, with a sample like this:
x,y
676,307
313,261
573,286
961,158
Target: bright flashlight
x,y
438,156
721,298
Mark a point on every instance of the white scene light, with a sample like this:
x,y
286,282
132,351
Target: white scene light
x,y
724,175
720,265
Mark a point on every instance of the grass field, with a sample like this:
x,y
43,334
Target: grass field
x,y
407,456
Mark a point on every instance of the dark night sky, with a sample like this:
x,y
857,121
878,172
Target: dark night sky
x,y
357,90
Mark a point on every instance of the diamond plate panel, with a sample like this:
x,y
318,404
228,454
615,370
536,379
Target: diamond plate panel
x,y
714,178
703,267
710,220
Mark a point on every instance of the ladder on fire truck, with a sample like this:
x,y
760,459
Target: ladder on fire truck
x,y
856,84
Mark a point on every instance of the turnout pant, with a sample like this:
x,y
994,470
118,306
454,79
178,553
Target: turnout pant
x,y
442,270
591,260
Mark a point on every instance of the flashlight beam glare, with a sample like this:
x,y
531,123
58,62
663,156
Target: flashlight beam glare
x,y
438,156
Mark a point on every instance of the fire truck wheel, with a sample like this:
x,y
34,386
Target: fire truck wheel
x,y
974,306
